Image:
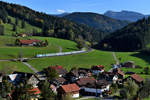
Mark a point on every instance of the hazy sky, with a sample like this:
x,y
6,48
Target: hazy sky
x,y
98,6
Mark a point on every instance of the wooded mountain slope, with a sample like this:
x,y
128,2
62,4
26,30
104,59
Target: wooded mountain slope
x,y
97,21
51,26
135,36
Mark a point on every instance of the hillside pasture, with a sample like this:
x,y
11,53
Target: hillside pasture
x,y
8,51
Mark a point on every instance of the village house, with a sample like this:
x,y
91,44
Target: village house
x,y
97,69
129,64
119,73
59,81
76,74
91,86
18,77
69,89
138,79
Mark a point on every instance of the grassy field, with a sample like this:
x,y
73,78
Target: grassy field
x,y
138,58
28,28
8,66
8,52
85,60
93,58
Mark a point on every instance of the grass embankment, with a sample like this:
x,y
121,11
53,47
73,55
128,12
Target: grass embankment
x,y
8,66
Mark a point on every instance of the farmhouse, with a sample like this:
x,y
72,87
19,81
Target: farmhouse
x,y
76,74
91,86
129,64
139,80
70,89
30,42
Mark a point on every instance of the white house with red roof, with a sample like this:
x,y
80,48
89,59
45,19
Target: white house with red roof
x,y
69,89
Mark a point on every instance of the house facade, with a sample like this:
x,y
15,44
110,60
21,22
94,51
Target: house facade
x,y
69,89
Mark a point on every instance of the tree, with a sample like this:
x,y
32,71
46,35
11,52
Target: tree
x,y
145,90
2,30
23,24
5,87
80,42
51,73
9,21
129,90
14,28
146,70
46,91
16,21
46,42
22,92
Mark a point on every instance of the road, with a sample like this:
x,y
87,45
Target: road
x,y
115,58
88,97
32,68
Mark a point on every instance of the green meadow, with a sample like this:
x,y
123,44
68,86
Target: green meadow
x,y
8,51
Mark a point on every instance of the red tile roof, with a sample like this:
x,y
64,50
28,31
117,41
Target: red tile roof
x,y
26,42
84,81
60,69
98,67
70,88
137,78
35,91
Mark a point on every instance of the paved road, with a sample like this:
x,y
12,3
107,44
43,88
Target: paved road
x,y
32,68
88,97
115,58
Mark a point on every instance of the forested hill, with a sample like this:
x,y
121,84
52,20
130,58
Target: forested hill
x,y
135,36
51,25
98,21
125,15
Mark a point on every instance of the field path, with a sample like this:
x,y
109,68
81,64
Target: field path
x,y
115,58
32,68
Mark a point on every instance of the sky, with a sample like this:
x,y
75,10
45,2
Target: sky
x,y
97,6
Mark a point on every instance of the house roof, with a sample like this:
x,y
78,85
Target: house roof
x,y
12,76
35,91
137,78
26,42
84,81
70,88
98,67
60,69
120,72
60,80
